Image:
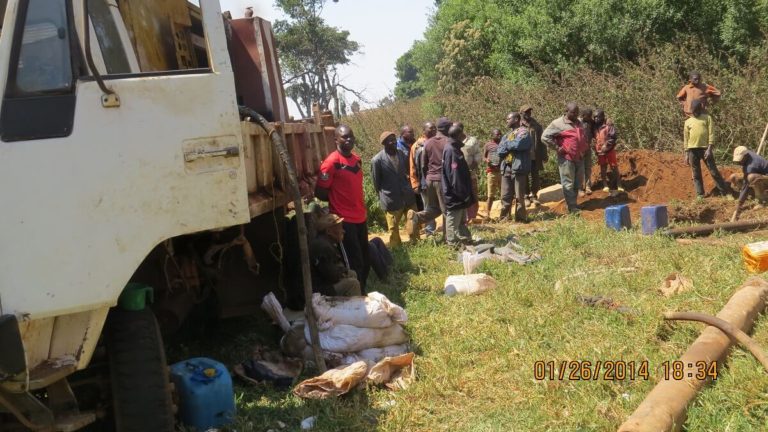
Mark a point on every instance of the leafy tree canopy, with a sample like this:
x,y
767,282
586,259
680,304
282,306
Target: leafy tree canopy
x,y
514,39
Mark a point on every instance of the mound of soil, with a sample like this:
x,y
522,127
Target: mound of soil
x,y
650,178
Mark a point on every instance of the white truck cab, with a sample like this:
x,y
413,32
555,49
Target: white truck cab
x,y
104,160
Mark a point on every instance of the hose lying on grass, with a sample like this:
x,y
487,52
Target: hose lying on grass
x,y
726,328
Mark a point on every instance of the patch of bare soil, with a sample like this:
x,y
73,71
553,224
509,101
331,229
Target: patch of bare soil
x,y
651,178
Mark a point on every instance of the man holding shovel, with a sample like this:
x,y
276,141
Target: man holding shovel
x,y
754,174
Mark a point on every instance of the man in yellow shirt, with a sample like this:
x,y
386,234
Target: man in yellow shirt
x,y
698,139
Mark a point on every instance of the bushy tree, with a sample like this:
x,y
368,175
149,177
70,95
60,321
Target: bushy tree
x,y
310,52
408,85
525,41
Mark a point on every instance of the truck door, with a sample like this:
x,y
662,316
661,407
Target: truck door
x,y
92,182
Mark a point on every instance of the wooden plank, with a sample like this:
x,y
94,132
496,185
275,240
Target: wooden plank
x,y
36,335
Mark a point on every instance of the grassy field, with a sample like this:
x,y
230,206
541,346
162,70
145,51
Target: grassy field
x,y
475,355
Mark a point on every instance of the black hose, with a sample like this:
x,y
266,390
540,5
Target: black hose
x,y
88,55
298,204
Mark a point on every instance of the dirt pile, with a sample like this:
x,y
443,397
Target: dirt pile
x,y
651,177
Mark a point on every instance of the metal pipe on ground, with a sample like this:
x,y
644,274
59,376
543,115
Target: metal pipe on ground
x,y
704,230
665,407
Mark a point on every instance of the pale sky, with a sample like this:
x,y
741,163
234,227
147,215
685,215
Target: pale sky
x,y
386,29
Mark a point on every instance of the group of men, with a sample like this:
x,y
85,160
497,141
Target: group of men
x,y
419,179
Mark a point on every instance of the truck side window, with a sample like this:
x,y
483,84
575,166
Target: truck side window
x,y
44,62
39,98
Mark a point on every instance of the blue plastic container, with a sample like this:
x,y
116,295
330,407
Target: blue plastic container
x,y
617,217
205,393
653,218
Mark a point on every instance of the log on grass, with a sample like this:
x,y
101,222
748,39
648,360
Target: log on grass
x,y
704,230
664,409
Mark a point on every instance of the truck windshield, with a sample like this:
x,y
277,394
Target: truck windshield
x,y
44,61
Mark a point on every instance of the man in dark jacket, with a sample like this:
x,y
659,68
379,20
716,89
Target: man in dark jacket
x,y
539,154
515,154
457,188
754,174
330,272
432,164
389,172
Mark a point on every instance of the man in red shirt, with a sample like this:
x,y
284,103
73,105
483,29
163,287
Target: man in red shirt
x,y
566,136
341,184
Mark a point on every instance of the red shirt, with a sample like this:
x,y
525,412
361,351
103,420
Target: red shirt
x,y
343,177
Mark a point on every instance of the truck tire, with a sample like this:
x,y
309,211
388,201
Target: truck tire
x,y
141,389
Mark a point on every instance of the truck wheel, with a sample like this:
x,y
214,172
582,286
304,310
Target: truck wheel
x,y
141,389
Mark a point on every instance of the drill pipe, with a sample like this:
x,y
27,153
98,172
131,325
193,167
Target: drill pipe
x,y
704,230
664,409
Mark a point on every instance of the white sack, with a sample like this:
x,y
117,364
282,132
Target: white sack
x,y
344,338
468,284
372,311
375,355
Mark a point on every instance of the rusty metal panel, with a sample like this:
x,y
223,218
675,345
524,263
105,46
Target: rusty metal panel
x,y
266,176
257,71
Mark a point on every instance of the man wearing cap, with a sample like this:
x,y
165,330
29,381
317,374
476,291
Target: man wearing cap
x,y
330,272
696,90
539,154
754,170
432,165
389,172
341,184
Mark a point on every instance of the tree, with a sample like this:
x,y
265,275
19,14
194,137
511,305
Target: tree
x,y
518,39
310,53
407,74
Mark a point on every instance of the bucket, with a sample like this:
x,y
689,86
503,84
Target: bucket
x,y
204,387
617,217
653,218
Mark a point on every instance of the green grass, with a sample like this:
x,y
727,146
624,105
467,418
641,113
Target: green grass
x,y
475,355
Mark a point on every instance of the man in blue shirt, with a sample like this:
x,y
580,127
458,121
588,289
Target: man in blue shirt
x,y
754,170
406,140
